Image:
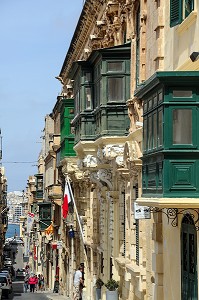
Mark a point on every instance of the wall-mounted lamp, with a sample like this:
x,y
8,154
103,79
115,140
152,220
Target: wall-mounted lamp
x,y
194,56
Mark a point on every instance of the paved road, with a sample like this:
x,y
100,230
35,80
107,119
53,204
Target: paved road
x,y
18,293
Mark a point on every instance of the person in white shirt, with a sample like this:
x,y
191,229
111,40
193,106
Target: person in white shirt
x,y
76,282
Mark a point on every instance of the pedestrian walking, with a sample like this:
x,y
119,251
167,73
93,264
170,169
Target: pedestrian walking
x,y
32,282
26,283
41,282
76,283
36,283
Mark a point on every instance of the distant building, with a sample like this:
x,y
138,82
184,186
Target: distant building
x,y
18,213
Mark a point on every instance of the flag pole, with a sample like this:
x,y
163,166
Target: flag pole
x,y
78,219
80,227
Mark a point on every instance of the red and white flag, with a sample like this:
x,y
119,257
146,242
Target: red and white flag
x,y
67,199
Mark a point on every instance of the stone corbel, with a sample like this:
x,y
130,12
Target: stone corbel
x,y
112,151
105,176
94,177
132,152
136,168
120,161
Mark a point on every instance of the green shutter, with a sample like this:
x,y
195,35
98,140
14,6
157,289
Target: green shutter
x,y
175,12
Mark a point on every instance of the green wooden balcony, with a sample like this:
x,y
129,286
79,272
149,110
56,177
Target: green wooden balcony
x,y
170,134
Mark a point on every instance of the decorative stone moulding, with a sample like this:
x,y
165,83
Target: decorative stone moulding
x,y
132,152
106,177
111,151
100,23
120,161
94,177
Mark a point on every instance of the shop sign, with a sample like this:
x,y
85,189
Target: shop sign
x,y
141,212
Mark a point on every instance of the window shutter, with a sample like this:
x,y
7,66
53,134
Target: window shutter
x,y
175,12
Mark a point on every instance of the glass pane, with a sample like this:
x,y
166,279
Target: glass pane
x,y
145,135
150,103
88,97
160,96
160,128
114,66
87,76
154,100
182,94
155,130
115,89
145,106
182,126
150,133
77,103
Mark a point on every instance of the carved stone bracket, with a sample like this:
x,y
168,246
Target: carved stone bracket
x,y
106,177
94,177
89,161
132,152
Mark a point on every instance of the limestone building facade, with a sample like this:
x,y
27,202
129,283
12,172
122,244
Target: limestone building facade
x,y
128,84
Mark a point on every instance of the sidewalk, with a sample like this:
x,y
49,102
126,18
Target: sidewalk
x,y
55,296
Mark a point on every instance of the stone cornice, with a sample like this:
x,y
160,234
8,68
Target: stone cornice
x,y
81,35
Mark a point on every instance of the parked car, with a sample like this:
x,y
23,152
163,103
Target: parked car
x,y
8,263
11,269
20,273
6,286
8,275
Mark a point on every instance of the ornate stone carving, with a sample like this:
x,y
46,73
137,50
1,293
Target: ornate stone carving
x,y
106,176
112,151
120,161
94,177
131,151
88,161
135,112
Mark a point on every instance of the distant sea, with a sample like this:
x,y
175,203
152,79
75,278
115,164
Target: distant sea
x,y
12,230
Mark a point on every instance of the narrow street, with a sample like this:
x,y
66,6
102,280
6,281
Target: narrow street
x,y
18,291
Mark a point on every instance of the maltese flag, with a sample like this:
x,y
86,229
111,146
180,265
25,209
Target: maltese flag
x,y
67,199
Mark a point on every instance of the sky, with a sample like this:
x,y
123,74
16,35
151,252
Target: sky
x,y
34,39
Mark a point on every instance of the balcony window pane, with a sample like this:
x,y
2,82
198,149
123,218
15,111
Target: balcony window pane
x,y
150,140
182,126
114,66
87,76
155,130
77,103
145,135
115,89
88,98
160,128
182,94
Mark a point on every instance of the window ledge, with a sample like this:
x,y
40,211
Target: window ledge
x,y
187,22
169,202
